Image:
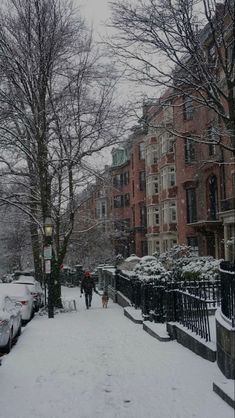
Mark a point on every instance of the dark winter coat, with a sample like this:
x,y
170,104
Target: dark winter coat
x,y
87,284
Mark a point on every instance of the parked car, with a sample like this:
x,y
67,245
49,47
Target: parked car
x,y
10,321
20,293
35,289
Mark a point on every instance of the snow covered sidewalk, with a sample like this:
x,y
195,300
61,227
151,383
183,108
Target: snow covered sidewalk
x,y
97,363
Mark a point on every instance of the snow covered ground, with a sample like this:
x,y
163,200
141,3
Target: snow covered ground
x,y
98,364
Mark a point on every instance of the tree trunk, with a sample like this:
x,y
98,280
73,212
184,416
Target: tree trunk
x,y
36,247
57,285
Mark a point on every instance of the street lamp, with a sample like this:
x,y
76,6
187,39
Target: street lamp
x,y
48,232
48,227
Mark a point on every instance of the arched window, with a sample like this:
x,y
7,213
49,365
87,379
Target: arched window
x,y
213,197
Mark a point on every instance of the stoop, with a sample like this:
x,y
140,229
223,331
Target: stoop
x,y
156,330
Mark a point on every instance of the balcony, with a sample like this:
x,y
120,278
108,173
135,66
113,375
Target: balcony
x,y
228,204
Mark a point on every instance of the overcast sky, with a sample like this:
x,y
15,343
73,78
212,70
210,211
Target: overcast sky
x,y
95,11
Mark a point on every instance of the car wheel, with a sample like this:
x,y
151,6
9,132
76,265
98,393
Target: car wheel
x,y
7,348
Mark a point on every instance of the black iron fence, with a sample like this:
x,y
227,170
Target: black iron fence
x,y
189,310
227,275
187,302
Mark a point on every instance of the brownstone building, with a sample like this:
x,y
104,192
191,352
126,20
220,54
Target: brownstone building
x,y
173,180
128,194
161,179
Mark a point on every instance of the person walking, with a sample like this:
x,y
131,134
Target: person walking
x,y
87,286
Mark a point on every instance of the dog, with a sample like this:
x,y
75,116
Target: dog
x,y
105,299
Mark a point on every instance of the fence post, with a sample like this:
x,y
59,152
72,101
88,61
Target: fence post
x,y
115,285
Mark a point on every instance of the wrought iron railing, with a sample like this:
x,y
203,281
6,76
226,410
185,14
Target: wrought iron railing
x,y
187,302
227,275
189,310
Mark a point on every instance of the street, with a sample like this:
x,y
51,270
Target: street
x,y
97,363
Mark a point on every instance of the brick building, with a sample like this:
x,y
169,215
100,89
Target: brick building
x,y
128,194
173,180
161,179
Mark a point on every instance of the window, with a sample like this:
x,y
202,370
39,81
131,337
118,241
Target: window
x,y
163,144
155,185
117,180
152,154
155,156
193,243
187,107
213,198
118,201
171,143
156,215
142,151
189,150
103,209
143,218
120,180
127,199
191,205
164,182
126,178
165,213
142,182
172,212
171,176
167,177
211,133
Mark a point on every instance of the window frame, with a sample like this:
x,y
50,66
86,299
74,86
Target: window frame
x,y
187,107
191,205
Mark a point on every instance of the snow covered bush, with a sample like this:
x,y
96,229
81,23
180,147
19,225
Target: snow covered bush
x,y
182,263
201,268
151,270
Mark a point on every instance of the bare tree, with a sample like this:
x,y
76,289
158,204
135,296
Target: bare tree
x,y
56,110
15,240
187,46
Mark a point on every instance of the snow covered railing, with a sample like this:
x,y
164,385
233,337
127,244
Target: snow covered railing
x,y
227,275
151,296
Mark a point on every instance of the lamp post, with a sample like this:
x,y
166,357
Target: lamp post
x,y
48,232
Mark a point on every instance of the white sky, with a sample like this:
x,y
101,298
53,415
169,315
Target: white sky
x,y
99,364
95,11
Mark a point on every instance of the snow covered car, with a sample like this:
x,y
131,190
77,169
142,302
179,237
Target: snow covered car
x,y
35,289
20,293
10,321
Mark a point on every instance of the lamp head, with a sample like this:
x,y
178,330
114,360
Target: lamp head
x,y
48,227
